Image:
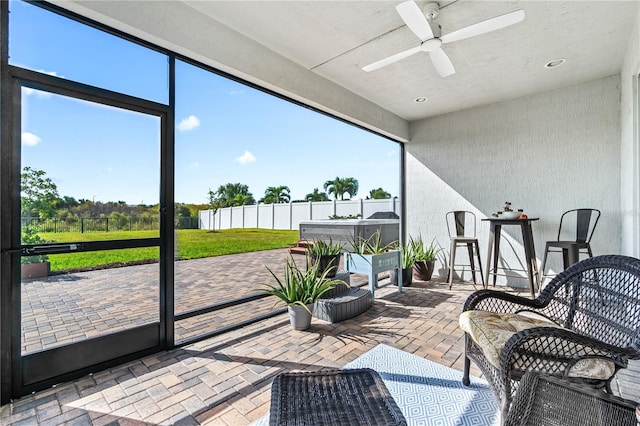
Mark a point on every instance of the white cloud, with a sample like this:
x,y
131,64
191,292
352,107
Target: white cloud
x,y
195,165
246,158
236,92
189,123
30,139
392,153
53,73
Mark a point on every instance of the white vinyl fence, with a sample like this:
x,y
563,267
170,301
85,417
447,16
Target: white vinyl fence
x,y
289,216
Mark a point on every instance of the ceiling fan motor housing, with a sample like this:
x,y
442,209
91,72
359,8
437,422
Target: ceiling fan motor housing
x,y
430,45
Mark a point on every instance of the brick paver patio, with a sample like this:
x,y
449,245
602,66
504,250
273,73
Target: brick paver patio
x,y
67,308
223,380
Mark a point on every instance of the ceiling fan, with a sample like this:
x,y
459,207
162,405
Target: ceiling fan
x,y
430,36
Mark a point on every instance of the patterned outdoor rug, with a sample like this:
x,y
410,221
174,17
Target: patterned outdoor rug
x,y
426,392
429,393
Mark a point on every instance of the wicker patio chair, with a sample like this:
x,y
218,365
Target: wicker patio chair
x,y
584,326
544,400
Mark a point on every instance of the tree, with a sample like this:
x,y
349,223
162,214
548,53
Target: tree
x,y
182,210
316,195
243,200
378,194
119,221
67,202
39,194
276,195
183,216
230,195
340,186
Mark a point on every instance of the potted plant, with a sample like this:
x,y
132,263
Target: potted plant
x,y
299,290
36,266
407,259
508,213
371,245
424,258
327,254
370,256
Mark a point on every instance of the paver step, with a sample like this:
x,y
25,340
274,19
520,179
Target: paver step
x,y
300,247
297,250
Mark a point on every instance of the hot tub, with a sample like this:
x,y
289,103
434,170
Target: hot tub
x,y
346,230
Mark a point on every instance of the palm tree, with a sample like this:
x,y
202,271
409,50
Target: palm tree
x,y
243,200
340,186
316,195
230,195
378,194
276,195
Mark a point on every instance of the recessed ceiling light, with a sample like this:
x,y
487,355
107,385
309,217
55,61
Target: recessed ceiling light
x,y
420,100
555,63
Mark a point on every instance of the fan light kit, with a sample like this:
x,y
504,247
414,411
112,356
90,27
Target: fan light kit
x,y
431,40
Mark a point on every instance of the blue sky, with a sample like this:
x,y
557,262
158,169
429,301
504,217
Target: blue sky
x,y
225,131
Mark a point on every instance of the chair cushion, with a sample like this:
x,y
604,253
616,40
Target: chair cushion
x,y
491,331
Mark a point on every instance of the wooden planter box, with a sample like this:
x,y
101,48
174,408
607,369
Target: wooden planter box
x,y
35,270
372,265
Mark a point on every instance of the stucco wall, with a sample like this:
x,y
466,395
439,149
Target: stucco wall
x,y
546,153
630,146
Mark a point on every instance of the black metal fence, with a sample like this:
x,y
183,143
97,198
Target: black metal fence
x,y
105,224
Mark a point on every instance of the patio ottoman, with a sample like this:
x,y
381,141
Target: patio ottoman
x,y
339,289
333,397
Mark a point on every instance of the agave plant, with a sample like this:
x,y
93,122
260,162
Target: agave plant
x,y
299,287
407,255
323,248
326,255
371,245
422,251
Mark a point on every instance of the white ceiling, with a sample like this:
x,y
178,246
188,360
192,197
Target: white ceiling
x,y
334,39
314,51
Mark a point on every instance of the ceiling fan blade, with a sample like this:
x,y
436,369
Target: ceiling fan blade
x,y
442,63
485,26
391,59
415,19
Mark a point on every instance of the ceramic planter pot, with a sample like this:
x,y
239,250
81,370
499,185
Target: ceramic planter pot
x,y
407,276
299,317
423,269
327,261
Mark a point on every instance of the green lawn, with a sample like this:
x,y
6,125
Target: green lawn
x,y
191,243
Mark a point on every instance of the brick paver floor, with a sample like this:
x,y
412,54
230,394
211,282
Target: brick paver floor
x,y
226,380
67,308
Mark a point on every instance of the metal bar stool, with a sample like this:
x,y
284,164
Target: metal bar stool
x,y
459,225
584,222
